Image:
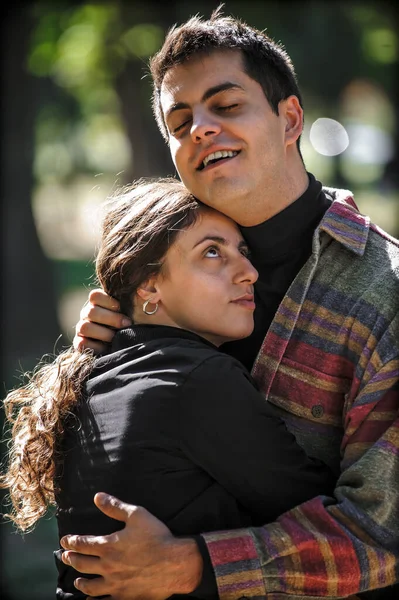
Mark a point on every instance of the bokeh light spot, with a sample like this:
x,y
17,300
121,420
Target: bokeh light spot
x,y
328,137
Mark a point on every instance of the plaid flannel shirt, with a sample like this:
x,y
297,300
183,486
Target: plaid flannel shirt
x,y
330,362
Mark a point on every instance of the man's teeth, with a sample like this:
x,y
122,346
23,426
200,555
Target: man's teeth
x,y
217,155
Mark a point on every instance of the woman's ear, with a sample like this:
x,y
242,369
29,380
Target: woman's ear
x,y
149,291
293,114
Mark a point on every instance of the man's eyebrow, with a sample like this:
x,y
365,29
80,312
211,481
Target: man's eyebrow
x,y
222,87
213,91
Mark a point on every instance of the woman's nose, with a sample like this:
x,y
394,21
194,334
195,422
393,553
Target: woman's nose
x,y
246,272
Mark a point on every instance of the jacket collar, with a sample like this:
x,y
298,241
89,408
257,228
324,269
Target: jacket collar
x,y
344,223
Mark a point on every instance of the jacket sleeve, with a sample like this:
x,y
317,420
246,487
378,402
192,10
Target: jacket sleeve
x,y
230,431
330,547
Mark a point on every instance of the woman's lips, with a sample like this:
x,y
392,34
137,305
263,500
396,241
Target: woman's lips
x,y
245,302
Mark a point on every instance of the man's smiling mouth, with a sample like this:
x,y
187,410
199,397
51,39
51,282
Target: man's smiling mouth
x,y
216,156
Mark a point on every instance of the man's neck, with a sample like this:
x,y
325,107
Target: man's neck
x,y
259,210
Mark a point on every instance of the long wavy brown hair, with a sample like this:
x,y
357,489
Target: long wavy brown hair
x,y
140,224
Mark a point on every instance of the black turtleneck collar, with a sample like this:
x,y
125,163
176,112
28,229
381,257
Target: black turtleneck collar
x,y
273,239
279,248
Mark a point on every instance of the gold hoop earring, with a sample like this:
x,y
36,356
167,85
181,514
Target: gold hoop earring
x,y
150,312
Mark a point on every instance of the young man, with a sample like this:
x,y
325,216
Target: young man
x,y
325,349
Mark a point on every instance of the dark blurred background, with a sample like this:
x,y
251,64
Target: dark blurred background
x,y
76,122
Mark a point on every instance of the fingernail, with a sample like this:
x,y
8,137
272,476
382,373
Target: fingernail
x,y
126,322
76,583
99,497
65,558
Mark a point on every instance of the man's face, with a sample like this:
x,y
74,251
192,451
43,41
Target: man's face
x,y
228,146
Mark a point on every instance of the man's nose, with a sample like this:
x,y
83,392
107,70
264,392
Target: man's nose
x,y
204,126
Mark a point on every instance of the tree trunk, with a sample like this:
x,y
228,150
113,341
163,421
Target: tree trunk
x,y
29,325
29,313
151,156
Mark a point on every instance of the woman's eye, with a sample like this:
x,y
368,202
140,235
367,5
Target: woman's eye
x,y
246,252
212,252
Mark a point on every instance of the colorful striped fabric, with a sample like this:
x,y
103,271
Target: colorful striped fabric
x,y
330,363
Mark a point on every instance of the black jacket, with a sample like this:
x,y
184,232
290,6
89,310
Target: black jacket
x,y
170,423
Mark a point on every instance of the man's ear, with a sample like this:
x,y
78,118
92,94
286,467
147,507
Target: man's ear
x,y
293,116
149,291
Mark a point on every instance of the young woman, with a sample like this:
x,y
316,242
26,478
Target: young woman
x,y
165,420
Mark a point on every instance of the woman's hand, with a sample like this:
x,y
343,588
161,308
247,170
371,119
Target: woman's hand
x,y
141,561
99,318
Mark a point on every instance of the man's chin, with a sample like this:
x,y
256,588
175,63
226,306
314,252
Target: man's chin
x,y
221,196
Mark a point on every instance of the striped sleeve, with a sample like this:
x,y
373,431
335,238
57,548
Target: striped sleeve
x,y
329,547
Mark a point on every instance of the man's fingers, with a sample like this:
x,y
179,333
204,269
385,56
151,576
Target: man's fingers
x,y
81,344
101,298
101,333
113,507
103,316
93,587
85,544
80,562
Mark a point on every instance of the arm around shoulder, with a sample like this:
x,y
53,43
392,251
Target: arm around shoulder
x,y
230,431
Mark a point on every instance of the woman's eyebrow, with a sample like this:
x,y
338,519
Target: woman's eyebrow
x,y
212,238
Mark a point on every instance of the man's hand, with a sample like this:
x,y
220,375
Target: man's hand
x,y
99,318
143,561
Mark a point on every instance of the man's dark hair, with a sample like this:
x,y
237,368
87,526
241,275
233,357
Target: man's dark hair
x,y
265,60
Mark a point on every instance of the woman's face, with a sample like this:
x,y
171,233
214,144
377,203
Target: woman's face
x,y
206,284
